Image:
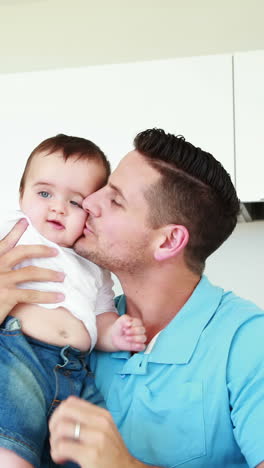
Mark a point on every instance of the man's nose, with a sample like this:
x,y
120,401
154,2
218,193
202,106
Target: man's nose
x,y
91,204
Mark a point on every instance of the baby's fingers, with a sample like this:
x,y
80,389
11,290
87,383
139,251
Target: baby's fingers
x,y
136,338
133,331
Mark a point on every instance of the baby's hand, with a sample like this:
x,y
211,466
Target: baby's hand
x,y
128,334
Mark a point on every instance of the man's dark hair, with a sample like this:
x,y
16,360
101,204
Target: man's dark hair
x,y
70,146
194,190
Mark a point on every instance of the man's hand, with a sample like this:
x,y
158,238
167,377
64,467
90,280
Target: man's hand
x,y
10,256
98,445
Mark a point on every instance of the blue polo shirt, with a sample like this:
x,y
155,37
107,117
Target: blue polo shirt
x,y
197,399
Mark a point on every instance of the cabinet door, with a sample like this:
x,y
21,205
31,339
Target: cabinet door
x,y
249,124
110,104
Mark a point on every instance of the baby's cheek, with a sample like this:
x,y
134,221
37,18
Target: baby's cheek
x,y
80,223
84,218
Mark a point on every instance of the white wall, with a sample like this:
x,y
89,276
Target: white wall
x,y
238,263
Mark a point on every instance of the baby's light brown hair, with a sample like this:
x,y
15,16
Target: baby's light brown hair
x,y
70,146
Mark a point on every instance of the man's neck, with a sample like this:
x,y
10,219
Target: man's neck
x,y
157,298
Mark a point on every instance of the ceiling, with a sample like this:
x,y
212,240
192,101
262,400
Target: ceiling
x,y
48,34
17,2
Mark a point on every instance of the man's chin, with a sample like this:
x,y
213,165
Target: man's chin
x,y
81,249
79,246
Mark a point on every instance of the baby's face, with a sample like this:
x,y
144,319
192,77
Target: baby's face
x,y
54,192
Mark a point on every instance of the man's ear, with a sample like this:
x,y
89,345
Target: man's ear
x,y
171,241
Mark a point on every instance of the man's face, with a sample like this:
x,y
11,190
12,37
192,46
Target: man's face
x,y
54,193
117,235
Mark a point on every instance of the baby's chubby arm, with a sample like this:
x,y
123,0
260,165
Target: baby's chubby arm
x,y
120,333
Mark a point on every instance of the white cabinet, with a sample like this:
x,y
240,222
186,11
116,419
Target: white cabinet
x,y
249,124
110,104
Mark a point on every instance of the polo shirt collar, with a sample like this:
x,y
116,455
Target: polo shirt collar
x,y
178,340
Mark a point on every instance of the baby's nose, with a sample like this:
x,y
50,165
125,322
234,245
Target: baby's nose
x,y
58,206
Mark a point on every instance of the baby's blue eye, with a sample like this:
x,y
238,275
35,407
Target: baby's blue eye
x,y
44,194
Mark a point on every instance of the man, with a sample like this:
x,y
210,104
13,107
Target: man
x,y
194,398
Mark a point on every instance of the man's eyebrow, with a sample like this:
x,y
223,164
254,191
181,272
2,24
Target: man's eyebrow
x,y
116,189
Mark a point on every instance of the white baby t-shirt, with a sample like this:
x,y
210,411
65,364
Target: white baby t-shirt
x,y
87,287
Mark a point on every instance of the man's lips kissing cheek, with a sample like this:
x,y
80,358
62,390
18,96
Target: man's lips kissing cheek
x,y
87,229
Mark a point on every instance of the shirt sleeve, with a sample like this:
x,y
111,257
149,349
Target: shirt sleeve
x,y
105,295
245,381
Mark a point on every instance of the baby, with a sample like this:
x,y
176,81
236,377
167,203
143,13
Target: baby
x,y
45,347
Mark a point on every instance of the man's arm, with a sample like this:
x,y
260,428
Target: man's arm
x,y
99,443
261,465
10,256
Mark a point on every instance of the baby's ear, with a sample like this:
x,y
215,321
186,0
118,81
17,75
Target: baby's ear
x,y
172,240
